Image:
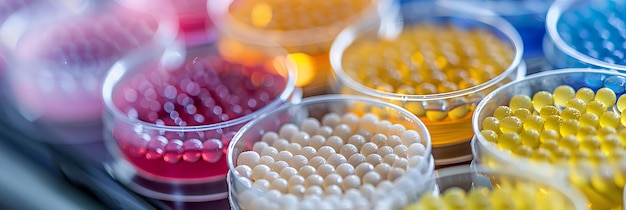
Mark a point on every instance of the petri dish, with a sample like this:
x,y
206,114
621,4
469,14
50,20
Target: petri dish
x,y
559,145
287,158
304,28
429,59
171,115
464,187
585,34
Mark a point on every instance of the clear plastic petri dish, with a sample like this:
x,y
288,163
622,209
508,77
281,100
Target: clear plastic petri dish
x,y
586,33
305,28
58,53
194,25
436,61
327,152
463,187
170,116
571,131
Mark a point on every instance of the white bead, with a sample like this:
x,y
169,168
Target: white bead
x,y
298,161
325,169
393,141
402,163
259,171
397,129
332,179
310,125
414,161
290,201
244,171
297,190
390,158
313,180
351,194
356,159
306,204
416,149
383,127
314,190
379,139
317,141
350,182
301,138
348,150
384,151
270,137
317,161
287,130
374,159
357,140
307,171
287,172
266,160
363,168
280,144
401,151
410,137
367,190
335,142
344,169
384,185
365,133
331,119
332,190
259,146
245,198
260,203
325,152
308,152
261,184
368,122
324,131
369,148
383,169
351,120
279,165
249,158
279,184
246,182
284,156
336,159
294,148
342,130
270,176
395,173
295,180
270,151
371,177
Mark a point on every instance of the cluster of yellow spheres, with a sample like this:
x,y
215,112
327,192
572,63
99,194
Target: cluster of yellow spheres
x,y
502,197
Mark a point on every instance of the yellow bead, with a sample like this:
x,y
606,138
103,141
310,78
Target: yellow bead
x,y
530,138
425,89
603,132
610,143
501,200
550,144
541,155
589,119
585,131
606,96
621,103
491,123
577,104
549,111
562,94
569,127
570,113
478,199
521,101
510,124
461,110
621,133
522,113
597,156
569,142
541,99
590,143
523,150
430,202
552,122
436,116
502,112
548,134
623,119
454,198
533,122
610,118
585,94
490,135
509,141
415,107
559,155
596,107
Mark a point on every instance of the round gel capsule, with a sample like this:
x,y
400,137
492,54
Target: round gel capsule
x,y
585,94
393,141
395,173
279,165
502,111
570,113
325,169
350,182
344,169
348,150
542,99
533,122
384,151
416,149
287,172
351,120
317,141
363,168
332,179
259,171
383,169
491,123
374,159
356,159
610,118
510,124
596,107
310,125
326,152
287,130
368,122
606,96
371,177
249,158
522,113
342,130
306,171
270,176
409,137
284,156
576,103
244,171
369,148
401,151
562,94
379,139
335,142
397,130
261,184
357,140
259,146
336,159
621,103
313,180
317,161
270,137
280,185
296,180
331,119
293,148
383,127
324,131
520,101
308,152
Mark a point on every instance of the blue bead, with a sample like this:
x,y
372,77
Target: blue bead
x,y
615,83
576,80
594,81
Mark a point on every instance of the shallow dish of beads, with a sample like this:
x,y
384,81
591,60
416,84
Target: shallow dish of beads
x,y
566,125
328,152
436,62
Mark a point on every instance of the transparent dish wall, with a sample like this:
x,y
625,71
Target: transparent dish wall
x,y
567,134
435,62
171,116
328,152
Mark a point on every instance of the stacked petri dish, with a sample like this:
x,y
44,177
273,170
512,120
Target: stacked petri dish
x,y
462,187
327,152
6,9
305,28
586,33
172,113
59,53
434,60
565,125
